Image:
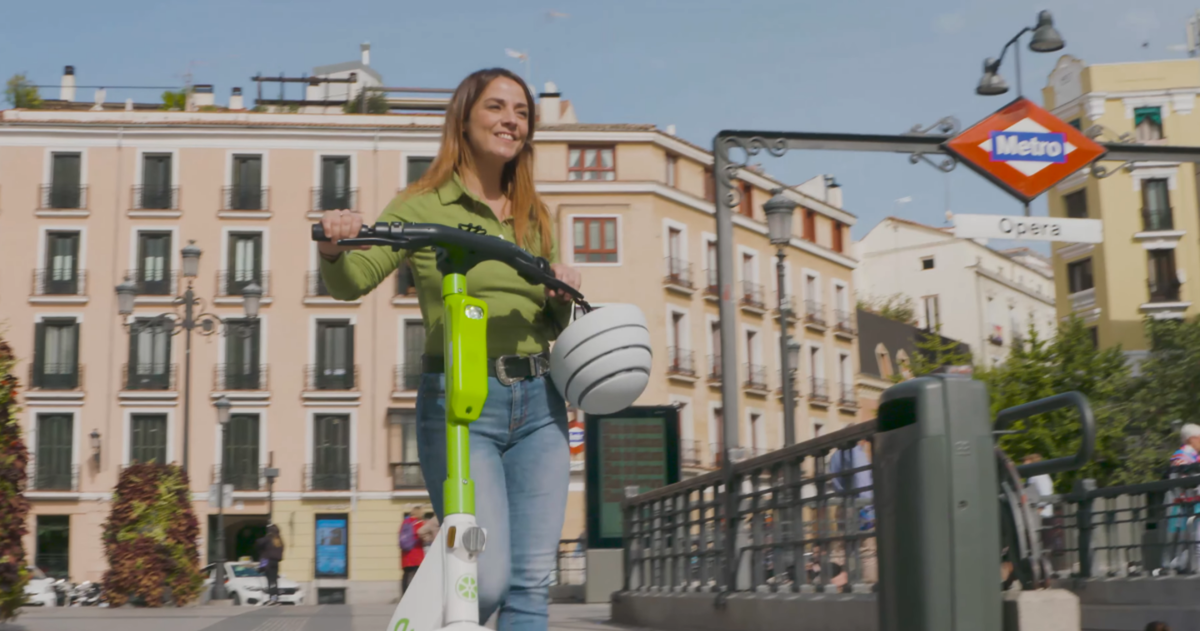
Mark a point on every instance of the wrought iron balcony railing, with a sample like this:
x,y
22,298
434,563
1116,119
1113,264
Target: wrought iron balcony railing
x,y
1164,291
844,322
818,390
242,477
714,368
245,198
407,475
320,477
240,377
848,398
679,362
711,287
56,476
59,282
679,273
61,197
756,377
234,282
155,198
154,283
814,313
148,376
56,376
334,198
315,285
408,375
752,295
318,377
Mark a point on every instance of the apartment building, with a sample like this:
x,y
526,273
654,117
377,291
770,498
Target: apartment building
x,y
1148,208
985,298
324,391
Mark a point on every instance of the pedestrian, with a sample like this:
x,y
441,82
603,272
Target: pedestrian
x,y
853,483
1185,502
412,553
429,529
270,555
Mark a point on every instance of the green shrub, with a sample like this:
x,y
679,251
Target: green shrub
x,y
14,508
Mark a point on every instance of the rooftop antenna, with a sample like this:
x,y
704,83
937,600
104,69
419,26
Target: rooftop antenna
x,y
516,54
1192,47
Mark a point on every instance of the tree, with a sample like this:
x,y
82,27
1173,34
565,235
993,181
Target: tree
x,y
14,508
935,351
150,538
898,307
174,100
376,104
21,93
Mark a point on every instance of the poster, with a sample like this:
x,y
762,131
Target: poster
x,y
332,543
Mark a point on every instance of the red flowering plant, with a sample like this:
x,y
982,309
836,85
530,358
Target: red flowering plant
x,y
150,539
14,508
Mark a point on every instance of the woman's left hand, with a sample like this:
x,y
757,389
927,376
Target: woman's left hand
x,y
568,275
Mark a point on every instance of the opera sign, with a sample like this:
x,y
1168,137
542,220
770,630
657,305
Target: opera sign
x,y
1028,228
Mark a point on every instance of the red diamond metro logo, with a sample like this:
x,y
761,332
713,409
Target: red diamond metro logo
x,y
1024,149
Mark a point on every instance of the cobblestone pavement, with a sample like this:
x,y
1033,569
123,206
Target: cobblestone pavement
x,y
308,618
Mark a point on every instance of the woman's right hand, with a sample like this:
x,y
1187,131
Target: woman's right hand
x,y
338,225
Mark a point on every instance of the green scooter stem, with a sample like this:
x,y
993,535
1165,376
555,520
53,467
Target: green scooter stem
x,y
466,387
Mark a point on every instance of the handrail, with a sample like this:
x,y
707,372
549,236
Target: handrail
x,y
1087,422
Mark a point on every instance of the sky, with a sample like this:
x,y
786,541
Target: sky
x,y
852,66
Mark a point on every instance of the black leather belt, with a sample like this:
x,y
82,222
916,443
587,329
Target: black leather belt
x,y
508,369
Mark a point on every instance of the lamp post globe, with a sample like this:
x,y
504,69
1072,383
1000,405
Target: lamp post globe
x,y
251,299
793,357
991,84
779,210
1046,38
191,260
126,292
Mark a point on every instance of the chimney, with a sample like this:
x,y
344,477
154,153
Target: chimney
x,y
670,130
202,95
129,105
549,105
99,106
67,91
235,101
366,53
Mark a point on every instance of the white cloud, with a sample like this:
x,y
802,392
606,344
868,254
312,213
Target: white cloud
x,y
950,22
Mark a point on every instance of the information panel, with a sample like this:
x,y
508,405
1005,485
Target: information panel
x,y
637,448
333,539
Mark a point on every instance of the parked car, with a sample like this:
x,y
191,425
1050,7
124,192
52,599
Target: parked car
x,y
39,591
247,586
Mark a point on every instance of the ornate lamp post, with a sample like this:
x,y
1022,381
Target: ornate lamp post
x,y
1046,39
219,591
780,210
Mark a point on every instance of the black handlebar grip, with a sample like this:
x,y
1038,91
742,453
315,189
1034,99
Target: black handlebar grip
x,y
318,232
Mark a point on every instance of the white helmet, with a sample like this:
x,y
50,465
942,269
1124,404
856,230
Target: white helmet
x,y
601,363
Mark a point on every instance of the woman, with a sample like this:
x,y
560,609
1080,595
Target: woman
x,y
483,175
270,554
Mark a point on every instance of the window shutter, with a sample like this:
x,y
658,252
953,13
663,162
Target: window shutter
x,y
39,353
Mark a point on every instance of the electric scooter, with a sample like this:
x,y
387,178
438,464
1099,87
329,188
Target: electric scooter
x,y
444,595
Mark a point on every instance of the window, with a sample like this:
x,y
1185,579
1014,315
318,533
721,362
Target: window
x,y
591,163
810,226
243,368
153,274
884,361
402,450
714,336
710,186
818,428
838,235
61,276
1077,123
746,205
247,190
812,289
416,168
335,355
756,443
1079,276
245,262
751,354
157,189
53,466
1094,332
677,270
148,438
414,347
335,192
1147,123
846,377
595,239
927,263
710,251
405,283
672,167
1156,206
56,354
678,337
331,453
149,359
933,318
1076,204
1163,277
239,452
53,549
65,190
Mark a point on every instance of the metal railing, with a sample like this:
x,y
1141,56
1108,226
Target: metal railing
x,y
814,313
1164,292
59,197
54,376
233,283
714,368
54,564
337,198
155,198
61,478
163,283
679,273
241,480
317,377
570,563
818,390
711,287
408,375
330,479
789,525
50,282
1157,219
407,475
151,376
848,397
680,362
844,322
315,285
751,295
756,377
690,454
245,198
234,377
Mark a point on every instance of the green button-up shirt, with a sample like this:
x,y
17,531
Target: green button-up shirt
x,y
519,319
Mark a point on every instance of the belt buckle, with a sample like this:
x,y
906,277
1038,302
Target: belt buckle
x,y
501,375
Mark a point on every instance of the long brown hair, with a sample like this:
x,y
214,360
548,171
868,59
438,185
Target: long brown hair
x,y
531,218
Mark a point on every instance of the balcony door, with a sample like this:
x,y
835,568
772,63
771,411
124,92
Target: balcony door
x,y
335,355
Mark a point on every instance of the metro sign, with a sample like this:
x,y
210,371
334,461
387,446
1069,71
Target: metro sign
x,y
1024,149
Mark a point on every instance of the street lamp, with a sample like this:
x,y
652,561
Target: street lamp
x,y
780,211
95,444
219,591
174,322
1046,39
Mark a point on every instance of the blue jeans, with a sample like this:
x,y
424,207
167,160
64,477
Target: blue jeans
x,y
521,465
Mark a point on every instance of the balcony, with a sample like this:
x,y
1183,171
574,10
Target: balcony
x,y
233,283
239,477
680,364
690,455
1157,220
818,391
714,370
245,198
59,197
328,478
751,298
712,288
814,315
1164,291
843,324
57,477
334,198
408,376
314,285
59,282
406,476
849,398
149,376
154,283
317,378
1082,300
155,198
234,377
788,303
756,378
56,376
678,276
